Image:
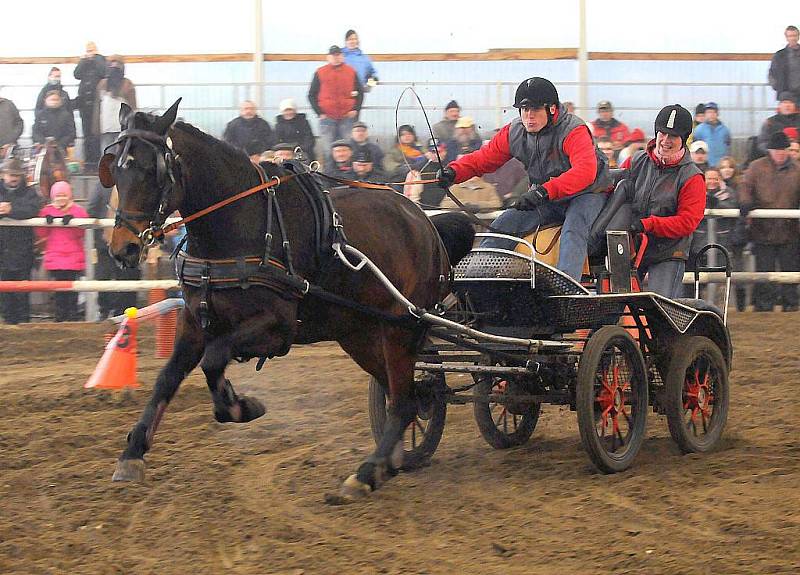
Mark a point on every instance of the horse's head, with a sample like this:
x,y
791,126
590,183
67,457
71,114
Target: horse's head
x,y
141,164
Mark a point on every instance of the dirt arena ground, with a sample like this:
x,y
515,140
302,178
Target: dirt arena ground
x,y
249,499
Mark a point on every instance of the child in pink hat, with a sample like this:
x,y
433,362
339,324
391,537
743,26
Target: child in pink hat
x,y
64,255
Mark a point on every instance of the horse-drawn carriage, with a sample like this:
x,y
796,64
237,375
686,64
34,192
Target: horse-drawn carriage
x,y
268,265
528,334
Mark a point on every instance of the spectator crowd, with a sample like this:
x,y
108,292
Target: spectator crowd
x,y
768,176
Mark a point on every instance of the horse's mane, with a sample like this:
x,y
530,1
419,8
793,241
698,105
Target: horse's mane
x,y
221,159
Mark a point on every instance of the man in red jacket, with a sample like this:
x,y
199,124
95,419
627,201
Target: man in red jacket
x,y
568,174
336,96
669,200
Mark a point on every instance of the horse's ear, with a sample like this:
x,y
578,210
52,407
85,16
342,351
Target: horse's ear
x,y
104,170
124,112
164,121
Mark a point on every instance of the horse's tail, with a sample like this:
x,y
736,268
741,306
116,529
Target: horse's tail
x,y
457,234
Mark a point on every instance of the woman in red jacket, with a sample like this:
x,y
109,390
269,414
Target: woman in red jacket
x,y
669,200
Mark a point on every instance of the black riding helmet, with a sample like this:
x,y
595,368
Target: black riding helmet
x,y
674,120
537,92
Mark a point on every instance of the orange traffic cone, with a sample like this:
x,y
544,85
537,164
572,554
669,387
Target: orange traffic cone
x,y
117,368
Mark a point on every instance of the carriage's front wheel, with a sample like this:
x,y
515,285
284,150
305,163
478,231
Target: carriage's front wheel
x,y
611,399
422,436
696,392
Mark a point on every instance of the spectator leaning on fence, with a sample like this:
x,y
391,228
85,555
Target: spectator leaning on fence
x,y
292,126
359,138
405,156
732,180
607,125
90,70
55,121
465,139
715,134
112,91
249,132
773,182
11,124
341,164
358,61
18,201
445,129
699,154
63,247
635,142
53,83
335,95
784,70
787,117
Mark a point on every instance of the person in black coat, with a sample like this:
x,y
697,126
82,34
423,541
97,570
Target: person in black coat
x,y
249,132
54,121
292,127
90,70
784,69
53,83
18,201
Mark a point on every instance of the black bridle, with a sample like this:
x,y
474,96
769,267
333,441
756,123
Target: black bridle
x,y
166,161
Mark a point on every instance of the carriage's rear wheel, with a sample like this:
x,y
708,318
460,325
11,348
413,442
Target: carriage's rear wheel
x,y
696,394
422,436
503,424
611,399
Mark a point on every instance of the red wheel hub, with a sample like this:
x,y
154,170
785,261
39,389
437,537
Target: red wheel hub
x,y
698,397
612,400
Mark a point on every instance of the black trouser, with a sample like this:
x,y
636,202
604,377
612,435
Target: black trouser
x,y
15,306
66,301
91,141
113,303
768,258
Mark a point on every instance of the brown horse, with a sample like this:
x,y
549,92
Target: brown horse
x,y
50,166
159,167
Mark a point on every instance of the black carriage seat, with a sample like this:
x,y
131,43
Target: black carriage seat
x,y
700,305
615,215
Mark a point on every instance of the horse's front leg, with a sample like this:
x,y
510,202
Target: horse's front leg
x,y
259,336
399,356
185,357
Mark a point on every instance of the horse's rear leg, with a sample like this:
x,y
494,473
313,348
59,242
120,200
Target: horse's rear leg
x,y
399,356
260,336
185,357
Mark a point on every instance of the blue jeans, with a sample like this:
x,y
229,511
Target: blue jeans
x,y
665,278
577,216
331,130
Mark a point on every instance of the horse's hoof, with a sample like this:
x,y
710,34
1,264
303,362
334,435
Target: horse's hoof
x,y
246,409
352,490
251,408
129,470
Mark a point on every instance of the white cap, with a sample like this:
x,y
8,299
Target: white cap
x,y
287,104
698,144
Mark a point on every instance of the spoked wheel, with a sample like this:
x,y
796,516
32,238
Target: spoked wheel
x,y
611,399
422,436
503,424
696,394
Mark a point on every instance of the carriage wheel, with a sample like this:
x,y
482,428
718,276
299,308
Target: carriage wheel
x,y
611,399
696,394
505,424
422,436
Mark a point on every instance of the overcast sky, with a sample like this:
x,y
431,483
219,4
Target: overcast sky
x,y
58,28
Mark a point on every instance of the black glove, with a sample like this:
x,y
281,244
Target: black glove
x,y
446,177
66,219
530,200
49,218
637,227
